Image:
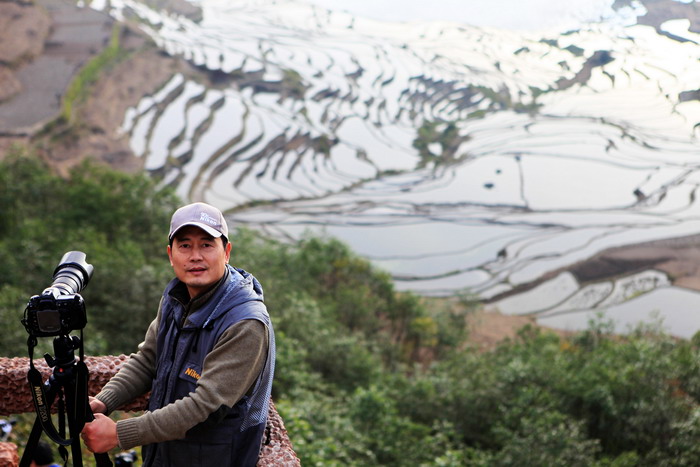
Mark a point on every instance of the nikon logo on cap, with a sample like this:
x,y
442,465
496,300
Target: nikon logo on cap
x,y
208,219
202,215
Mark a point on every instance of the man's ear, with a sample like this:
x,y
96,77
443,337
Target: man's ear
x,y
228,251
170,254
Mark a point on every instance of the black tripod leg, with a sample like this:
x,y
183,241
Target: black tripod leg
x,y
77,420
74,426
85,414
76,451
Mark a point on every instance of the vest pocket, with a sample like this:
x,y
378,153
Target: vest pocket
x,y
186,381
191,372
197,454
222,426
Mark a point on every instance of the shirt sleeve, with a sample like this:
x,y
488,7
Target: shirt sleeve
x,y
229,371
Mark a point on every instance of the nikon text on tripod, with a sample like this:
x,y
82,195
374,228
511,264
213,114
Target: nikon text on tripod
x,y
60,309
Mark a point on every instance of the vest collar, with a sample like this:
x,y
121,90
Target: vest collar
x,y
190,306
235,287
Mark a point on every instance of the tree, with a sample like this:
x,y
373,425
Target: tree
x,y
119,220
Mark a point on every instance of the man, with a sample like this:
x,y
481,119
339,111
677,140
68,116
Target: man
x,y
208,359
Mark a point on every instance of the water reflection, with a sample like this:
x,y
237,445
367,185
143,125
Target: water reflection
x,y
452,157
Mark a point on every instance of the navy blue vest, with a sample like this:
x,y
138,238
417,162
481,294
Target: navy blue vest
x,y
231,435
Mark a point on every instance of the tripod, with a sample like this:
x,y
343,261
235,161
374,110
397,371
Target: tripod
x,y
68,382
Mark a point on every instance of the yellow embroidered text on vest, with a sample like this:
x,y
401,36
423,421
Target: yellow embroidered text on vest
x,y
192,373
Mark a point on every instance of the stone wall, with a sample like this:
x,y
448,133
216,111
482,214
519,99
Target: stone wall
x,y
15,398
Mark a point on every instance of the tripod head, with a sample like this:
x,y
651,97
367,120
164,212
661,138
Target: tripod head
x,y
64,347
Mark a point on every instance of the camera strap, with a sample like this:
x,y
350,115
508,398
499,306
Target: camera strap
x,y
42,404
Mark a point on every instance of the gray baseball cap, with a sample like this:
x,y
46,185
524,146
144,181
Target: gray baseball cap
x,y
202,215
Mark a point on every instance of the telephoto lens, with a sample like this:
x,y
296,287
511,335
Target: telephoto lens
x,y
71,275
60,308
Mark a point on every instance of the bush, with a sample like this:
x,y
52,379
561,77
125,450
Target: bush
x,y
545,439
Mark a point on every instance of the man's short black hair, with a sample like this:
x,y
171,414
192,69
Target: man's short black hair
x,y
43,455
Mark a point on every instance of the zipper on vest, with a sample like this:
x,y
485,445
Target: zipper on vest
x,y
195,344
176,338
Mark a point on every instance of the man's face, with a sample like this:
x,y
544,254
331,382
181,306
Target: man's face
x,y
198,259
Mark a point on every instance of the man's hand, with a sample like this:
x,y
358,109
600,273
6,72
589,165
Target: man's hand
x,y
100,435
97,406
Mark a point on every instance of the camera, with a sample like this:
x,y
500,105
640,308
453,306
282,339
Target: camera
x,y
59,309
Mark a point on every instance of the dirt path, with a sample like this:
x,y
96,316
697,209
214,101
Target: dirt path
x,y
44,45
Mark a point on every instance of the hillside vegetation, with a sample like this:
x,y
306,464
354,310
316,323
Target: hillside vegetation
x,y
366,375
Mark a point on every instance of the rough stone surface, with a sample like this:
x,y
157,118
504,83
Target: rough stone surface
x,y
8,454
277,450
15,398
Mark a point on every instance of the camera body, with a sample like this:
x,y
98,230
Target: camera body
x,y
55,316
60,309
